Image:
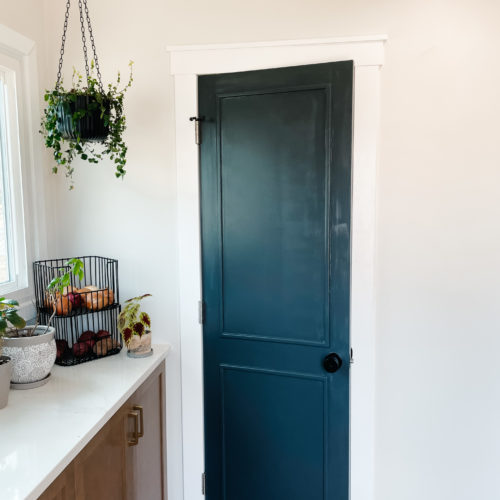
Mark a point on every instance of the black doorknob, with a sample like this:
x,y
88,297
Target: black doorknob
x,y
332,362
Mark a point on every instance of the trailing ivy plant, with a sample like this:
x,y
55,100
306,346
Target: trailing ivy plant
x,y
109,102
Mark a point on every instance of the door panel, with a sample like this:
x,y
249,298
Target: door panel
x,y
275,213
282,241
258,406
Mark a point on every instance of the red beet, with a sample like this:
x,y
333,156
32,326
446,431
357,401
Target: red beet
x,y
75,299
90,343
102,334
61,345
80,349
88,335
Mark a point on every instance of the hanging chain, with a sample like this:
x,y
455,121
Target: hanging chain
x,y
58,82
92,41
84,40
81,6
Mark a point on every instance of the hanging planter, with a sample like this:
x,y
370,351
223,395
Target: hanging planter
x,y
90,126
85,121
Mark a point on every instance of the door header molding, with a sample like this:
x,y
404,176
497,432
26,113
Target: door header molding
x,y
187,62
226,58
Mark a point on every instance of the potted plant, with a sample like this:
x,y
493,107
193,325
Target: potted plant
x,y
135,328
5,373
77,120
60,294
32,349
8,313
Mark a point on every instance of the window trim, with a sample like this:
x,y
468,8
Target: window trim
x,y
22,51
14,196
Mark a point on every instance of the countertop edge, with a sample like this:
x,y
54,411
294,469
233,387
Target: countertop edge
x,y
68,458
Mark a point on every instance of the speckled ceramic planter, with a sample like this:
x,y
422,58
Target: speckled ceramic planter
x,y
5,369
32,357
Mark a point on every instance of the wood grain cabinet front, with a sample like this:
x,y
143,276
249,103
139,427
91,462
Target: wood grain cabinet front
x,y
145,457
63,487
126,459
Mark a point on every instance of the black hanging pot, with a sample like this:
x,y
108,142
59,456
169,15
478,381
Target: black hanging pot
x,y
90,124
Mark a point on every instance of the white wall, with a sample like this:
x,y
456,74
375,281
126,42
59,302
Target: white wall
x,y
438,270
134,219
35,177
14,16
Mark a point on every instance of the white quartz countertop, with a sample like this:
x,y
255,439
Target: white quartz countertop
x,y
43,429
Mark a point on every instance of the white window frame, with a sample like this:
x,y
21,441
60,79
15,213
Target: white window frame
x,y
11,166
18,63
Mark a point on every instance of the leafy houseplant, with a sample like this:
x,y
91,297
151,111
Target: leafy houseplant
x,y
78,119
134,326
31,349
75,119
8,314
62,281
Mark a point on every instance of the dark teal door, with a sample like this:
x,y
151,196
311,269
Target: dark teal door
x,y
276,212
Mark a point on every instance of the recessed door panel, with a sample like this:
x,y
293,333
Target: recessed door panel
x,y
268,437
274,215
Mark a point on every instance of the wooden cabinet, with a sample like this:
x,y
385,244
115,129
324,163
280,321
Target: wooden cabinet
x,y
99,469
63,487
146,459
126,458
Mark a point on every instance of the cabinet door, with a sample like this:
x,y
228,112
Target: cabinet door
x,y
100,471
146,459
63,487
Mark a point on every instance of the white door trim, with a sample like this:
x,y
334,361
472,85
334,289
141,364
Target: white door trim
x,y
187,62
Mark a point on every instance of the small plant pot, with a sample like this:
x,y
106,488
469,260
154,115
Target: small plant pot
x,y
140,346
32,356
5,373
90,127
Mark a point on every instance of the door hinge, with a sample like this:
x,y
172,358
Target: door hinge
x,y
201,312
351,359
203,483
197,128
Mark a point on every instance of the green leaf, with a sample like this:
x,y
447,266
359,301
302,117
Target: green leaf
x,y
3,325
10,302
53,283
15,319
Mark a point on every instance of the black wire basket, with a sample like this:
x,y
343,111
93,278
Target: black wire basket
x,y
87,311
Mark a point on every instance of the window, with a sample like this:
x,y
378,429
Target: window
x,y
23,197
13,264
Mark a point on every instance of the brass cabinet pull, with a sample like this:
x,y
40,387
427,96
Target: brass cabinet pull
x,y
135,437
140,409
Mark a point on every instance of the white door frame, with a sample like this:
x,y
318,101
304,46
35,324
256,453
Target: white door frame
x,y
186,63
